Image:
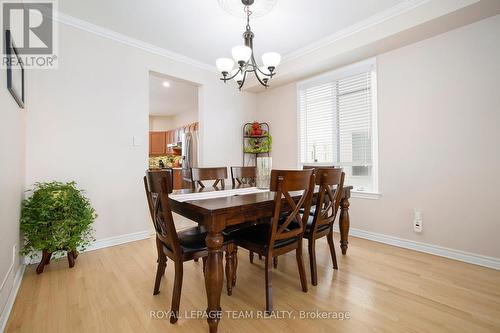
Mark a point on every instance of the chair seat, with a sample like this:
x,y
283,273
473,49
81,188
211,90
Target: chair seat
x,y
258,235
193,239
310,220
311,211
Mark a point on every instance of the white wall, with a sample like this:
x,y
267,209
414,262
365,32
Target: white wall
x,y
439,129
84,115
12,161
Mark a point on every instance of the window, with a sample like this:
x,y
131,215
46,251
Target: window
x,y
337,123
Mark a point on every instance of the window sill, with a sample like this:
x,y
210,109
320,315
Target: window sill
x,y
366,195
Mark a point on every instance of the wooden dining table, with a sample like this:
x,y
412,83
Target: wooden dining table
x,y
218,213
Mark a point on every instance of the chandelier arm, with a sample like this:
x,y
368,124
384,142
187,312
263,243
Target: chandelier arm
x,y
242,81
260,81
232,77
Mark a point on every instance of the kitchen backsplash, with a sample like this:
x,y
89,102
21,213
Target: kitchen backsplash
x,y
170,161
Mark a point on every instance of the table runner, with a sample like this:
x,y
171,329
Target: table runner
x,y
216,194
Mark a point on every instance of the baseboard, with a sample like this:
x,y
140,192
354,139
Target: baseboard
x,y
12,297
102,243
437,250
117,240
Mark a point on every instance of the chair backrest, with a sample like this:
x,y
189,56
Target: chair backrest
x,y
158,174
282,183
216,174
307,167
158,184
328,202
243,175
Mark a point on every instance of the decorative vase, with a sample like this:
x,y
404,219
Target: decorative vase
x,y
264,166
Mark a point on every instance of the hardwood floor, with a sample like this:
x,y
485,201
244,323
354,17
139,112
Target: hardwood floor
x,y
384,289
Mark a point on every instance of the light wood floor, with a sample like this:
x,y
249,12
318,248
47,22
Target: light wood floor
x,y
384,288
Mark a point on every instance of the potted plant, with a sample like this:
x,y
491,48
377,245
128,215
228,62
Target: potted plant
x,y
56,217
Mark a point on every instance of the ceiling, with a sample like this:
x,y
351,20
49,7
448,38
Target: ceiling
x,y
202,30
180,96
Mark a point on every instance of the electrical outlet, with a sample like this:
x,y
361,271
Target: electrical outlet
x,y
417,220
14,252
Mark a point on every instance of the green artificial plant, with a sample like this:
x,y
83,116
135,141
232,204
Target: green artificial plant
x,y
56,217
259,145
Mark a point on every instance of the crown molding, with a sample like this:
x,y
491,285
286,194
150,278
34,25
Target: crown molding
x,y
373,20
118,37
124,39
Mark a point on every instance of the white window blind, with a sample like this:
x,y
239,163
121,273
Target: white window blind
x,y
336,119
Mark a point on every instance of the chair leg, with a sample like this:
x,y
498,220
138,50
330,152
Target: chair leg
x,y
275,262
332,250
176,295
312,261
162,265
260,257
235,264
300,264
251,257
269,289
229,269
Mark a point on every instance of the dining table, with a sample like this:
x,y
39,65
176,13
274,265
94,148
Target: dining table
x,y
218,208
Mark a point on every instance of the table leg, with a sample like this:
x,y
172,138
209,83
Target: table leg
x,y
344,223
214,278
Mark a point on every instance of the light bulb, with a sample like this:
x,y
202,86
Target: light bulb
x,y
224,65
241,53
271,60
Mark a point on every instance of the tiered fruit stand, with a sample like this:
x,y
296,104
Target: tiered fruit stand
x,y
256,142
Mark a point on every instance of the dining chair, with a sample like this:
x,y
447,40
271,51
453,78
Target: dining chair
x,y
243,175
280,235
179,246
198,175
314,167
331,183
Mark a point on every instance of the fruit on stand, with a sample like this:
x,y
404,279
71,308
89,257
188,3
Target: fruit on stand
x,y
256,130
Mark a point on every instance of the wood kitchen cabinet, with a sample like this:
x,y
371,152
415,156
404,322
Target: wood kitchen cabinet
x,y
157,143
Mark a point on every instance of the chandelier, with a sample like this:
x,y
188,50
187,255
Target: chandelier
x,y
244,57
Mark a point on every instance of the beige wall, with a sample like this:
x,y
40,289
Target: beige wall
x,y
12,161
161,123
166,123
278,107
439,120
83,118
185,117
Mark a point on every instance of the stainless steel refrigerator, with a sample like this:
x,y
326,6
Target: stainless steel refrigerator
x,y
189,150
